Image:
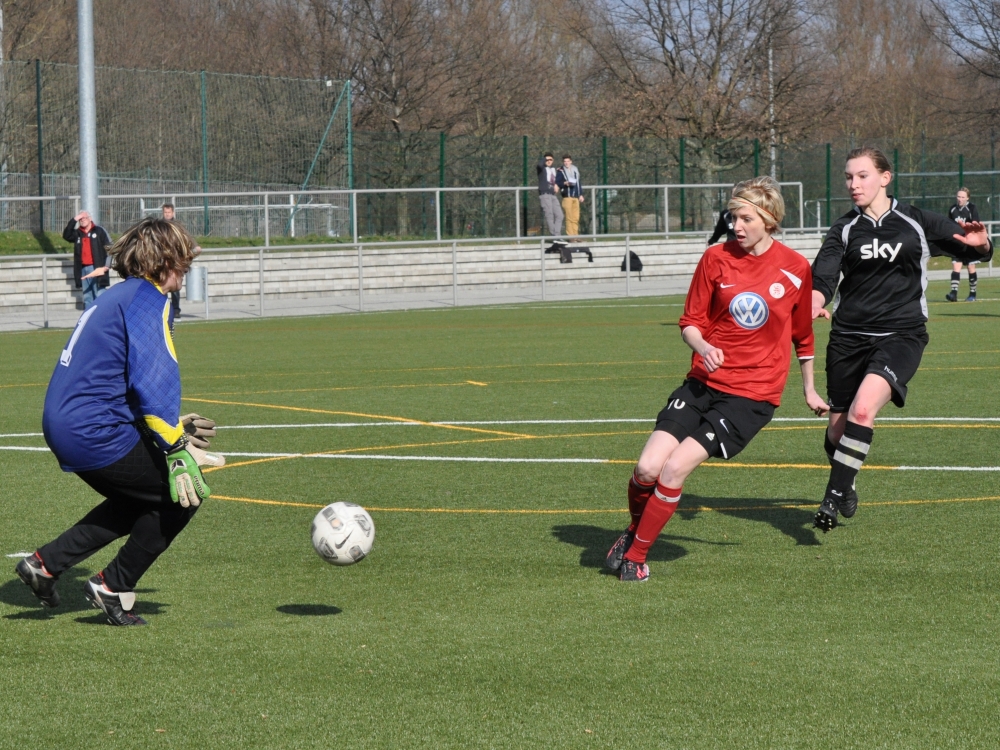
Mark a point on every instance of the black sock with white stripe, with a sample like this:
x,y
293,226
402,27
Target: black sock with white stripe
x,y
973,279
955,278
829,446
848,457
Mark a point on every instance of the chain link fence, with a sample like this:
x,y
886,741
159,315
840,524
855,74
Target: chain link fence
x,y
168,132
162,134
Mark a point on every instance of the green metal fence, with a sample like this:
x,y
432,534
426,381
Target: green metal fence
x,y
180,132
199,129
928,177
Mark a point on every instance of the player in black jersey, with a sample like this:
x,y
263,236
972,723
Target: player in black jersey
x,y
725,227
879,312
962,213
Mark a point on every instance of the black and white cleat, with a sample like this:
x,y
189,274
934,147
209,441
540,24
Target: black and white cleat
x,y
826,517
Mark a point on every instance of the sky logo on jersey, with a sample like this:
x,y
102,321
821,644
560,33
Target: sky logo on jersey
x,y
876,250
749,310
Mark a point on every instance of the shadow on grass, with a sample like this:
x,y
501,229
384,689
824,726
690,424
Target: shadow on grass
x,y
309,610
596,542
796,523
46,244
17,594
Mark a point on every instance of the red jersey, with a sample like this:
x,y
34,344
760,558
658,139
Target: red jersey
x,y
751,307
86,254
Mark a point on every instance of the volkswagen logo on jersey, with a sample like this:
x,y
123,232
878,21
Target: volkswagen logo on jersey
x,y
749,310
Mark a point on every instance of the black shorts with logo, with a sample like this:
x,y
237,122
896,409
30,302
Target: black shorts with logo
x,y
851,356
724,424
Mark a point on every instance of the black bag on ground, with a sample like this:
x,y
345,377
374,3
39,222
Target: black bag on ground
x,y
634,262
565,254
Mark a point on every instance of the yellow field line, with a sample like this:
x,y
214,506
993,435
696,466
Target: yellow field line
x,y
361,450
461,428
530,381
341,451
444,385
578,511
459,368
337,388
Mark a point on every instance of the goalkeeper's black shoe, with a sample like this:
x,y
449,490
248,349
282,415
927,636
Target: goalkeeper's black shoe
x,y
109,602
614,559
826,517
42,583
633,572
951,296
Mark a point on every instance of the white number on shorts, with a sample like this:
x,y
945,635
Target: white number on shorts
x,y
676,403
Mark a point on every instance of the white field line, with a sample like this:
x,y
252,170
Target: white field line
x,y
486,459
969,420
630,420
493,460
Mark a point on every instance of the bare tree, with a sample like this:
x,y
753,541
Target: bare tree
x,y
700,68
970,29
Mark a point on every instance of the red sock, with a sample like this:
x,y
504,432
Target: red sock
x,y
638,494
658,511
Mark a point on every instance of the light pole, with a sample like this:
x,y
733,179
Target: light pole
x,y
770,110
89,192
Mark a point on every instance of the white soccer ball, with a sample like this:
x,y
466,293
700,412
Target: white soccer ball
x,y
343,533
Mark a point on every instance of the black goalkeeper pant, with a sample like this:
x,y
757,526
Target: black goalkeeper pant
x,y
137,505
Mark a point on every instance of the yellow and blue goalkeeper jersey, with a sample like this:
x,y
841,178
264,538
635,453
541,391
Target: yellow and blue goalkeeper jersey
x,y
117,372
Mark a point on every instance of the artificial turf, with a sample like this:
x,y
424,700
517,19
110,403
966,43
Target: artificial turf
x,y
500,629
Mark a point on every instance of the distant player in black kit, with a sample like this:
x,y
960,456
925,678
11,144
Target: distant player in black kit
x,y
725,227
962,213
879,312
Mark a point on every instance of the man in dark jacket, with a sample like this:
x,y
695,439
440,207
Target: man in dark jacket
x,y
548,195
90,257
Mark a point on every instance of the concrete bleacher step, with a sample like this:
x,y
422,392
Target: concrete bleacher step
x,y
234,276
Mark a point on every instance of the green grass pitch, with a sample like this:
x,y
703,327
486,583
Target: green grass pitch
x,y
500,629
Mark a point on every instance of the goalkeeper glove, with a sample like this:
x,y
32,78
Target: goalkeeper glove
x,y
187,485
204,458
198,429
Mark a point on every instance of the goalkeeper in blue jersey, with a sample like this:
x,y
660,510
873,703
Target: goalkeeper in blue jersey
x,y
112,416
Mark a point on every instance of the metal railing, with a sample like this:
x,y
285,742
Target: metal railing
x,y
358,249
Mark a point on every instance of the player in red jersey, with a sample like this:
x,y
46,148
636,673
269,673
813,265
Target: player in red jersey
x,y
750,299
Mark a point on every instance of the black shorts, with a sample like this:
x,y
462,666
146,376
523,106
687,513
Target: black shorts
x,y
967,262
851,356
724,424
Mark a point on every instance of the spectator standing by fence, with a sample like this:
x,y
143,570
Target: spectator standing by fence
x,y
571,190
961,213
552,213
90,256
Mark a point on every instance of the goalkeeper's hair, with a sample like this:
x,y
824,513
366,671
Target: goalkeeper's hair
x,y
762,194
152,249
